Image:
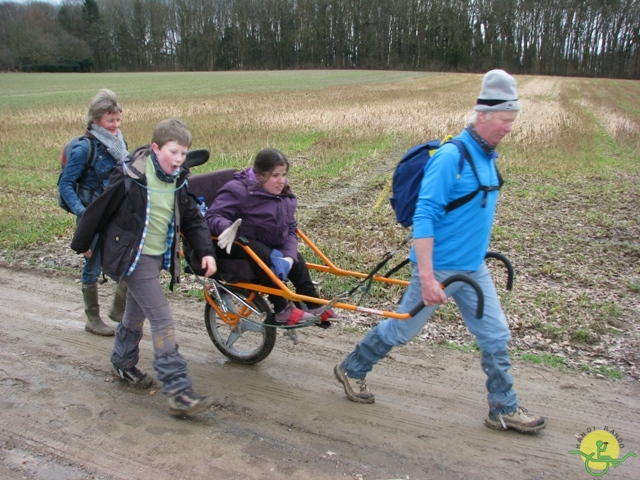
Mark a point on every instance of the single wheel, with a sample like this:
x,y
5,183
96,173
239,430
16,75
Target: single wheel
x,y
250,340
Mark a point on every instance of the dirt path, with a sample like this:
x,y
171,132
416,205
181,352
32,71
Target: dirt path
x,y
62,416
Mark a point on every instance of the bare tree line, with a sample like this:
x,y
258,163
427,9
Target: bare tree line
x,y
596,38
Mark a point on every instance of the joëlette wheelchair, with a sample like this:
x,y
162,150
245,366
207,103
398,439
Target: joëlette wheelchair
x,y
238,317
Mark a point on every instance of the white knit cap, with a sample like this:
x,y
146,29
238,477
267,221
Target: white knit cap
x,y
499,92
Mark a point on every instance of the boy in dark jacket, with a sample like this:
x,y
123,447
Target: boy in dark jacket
x,y
140,216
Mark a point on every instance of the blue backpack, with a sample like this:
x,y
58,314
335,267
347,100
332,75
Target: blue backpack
x,y
408,174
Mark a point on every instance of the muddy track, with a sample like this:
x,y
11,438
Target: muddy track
x,y
63,417
314,203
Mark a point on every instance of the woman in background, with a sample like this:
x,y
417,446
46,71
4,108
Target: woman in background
x,y
80,185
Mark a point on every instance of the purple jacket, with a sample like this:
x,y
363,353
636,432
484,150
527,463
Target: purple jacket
x,y
265,217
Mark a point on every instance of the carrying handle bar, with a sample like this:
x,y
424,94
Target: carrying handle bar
x,y
507,264
458,278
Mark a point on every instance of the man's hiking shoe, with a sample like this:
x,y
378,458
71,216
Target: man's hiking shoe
x,y
519,420
134,377
188,402
362,396
292,315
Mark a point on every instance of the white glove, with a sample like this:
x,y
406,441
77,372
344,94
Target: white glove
x,y
226,238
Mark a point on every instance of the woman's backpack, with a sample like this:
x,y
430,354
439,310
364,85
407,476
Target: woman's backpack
x,y
89,161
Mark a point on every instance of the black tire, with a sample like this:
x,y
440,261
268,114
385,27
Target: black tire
x,y
251,341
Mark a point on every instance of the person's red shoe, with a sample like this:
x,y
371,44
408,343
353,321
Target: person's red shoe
x,y
292,315
324,316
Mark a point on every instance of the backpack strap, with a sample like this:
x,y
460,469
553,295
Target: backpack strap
x,y
92,151
91,156
464,155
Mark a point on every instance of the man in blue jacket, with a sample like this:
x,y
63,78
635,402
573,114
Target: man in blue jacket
x,y
447,244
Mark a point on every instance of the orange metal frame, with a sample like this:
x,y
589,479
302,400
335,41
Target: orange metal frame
x,y
327,267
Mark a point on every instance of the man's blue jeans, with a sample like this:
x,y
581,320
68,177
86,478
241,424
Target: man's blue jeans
x,y
491,331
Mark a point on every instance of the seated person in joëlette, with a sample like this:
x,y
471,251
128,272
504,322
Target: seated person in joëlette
x,y
259,205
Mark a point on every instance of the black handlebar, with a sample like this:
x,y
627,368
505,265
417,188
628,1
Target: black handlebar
x,y
458,278
507,264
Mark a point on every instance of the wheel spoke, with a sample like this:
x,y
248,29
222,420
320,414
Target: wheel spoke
x,y
231,339
245,326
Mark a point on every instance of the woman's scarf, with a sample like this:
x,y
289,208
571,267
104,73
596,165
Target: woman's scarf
x,y
114,143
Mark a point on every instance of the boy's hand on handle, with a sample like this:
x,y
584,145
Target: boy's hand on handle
x,y
208,264
226,238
